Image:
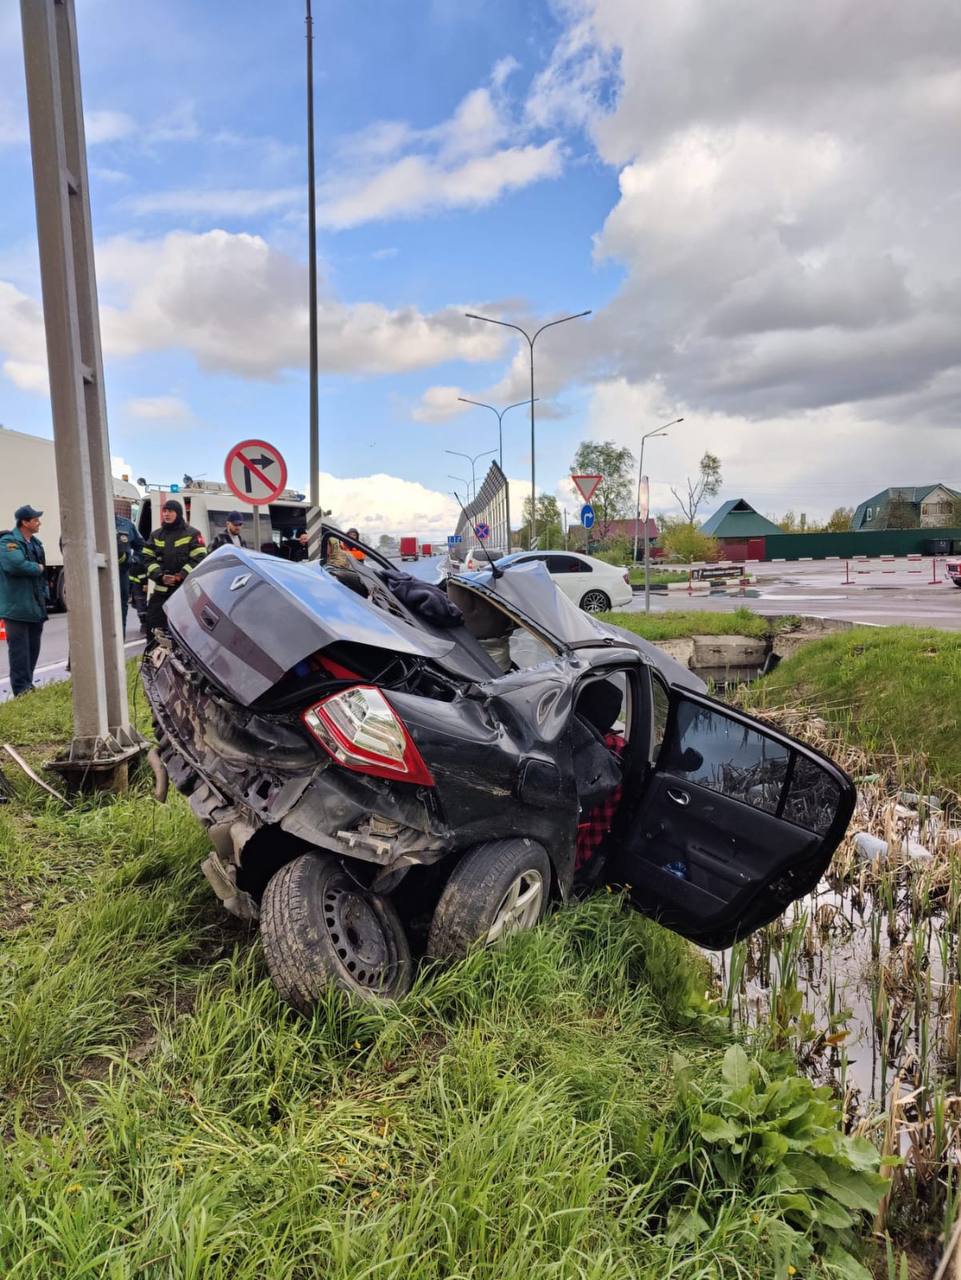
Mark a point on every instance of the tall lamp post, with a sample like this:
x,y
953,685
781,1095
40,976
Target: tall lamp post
x,y
314,430
472,461
500,422
658,431
530,342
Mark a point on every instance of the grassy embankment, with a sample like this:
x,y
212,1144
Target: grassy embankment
x,y
695,622
522,1114
892,691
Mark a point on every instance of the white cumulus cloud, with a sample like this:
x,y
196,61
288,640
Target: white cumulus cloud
x,y
381,503
159,408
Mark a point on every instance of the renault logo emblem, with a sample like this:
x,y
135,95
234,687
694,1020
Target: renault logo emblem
x,y
241,580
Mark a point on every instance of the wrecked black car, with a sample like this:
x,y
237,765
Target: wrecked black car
x,y
388,770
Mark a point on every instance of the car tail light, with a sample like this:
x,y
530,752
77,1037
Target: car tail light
x,y
627,579
361,731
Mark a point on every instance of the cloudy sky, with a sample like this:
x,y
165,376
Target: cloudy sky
x,y
759,202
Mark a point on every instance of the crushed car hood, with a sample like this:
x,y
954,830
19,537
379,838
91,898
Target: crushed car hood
x,y
249,618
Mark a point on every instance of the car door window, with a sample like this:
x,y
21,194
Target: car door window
x,y
660,708
564,564
714,751
812,797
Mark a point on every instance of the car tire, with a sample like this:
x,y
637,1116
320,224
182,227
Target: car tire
x,y
956,581
595,601
320,928
497,889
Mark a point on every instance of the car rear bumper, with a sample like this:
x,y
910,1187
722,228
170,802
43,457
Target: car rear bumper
x,y
242,772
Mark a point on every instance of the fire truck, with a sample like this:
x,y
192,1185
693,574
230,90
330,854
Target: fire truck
x,y
206,505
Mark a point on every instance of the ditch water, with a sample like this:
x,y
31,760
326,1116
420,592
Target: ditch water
x,y
862,978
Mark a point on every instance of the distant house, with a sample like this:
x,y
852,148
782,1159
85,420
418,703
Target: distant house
x,y
740,530
627,528
926,506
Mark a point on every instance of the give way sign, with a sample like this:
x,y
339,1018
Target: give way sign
x,y
586,485
256,472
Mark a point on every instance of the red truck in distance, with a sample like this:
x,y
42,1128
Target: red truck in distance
x,y
408,548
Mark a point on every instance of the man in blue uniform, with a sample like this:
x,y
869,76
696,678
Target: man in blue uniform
x,y
129,550
23,595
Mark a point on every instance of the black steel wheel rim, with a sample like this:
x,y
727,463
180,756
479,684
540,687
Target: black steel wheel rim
x,y
361,938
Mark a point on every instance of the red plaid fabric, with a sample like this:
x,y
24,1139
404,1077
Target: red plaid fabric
x,y
596,825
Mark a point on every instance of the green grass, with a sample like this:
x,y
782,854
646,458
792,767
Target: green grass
x,y
896,689
659,577
693,622
517,1115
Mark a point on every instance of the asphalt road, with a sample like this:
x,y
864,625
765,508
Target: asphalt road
x,y
894,594
54,649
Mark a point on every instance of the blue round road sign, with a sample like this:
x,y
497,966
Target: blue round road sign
x,y
587,516
483,531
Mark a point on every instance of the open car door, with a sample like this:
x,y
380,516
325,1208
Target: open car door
x,y
735,821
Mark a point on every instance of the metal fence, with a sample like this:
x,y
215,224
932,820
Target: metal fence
x,y
491,506
883,542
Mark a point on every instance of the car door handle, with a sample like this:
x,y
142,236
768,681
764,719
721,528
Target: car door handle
x,y
679,797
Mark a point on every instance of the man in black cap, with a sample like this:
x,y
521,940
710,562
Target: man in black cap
x,y
170,554
231,537
23,595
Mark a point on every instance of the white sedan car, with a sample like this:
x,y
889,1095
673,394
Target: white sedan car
x,y
590,583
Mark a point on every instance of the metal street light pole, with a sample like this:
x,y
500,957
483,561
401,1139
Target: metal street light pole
x,y
657,431
530,342
312,274
500,422
472,461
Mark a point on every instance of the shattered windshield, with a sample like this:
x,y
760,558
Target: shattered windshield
x,y
530,590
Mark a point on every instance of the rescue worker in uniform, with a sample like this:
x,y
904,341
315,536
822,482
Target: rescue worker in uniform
x,y
23,595
138,589
170,554
129,549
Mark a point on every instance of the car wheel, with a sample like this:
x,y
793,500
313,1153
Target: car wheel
x,y
497,889
321,929
595,602
957,582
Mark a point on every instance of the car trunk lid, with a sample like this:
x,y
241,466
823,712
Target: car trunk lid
x,y
249,618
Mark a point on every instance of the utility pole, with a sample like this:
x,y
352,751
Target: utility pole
x,y
103,741
315,527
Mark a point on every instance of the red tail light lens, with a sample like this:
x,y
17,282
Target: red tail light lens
x,y
361,731
627,579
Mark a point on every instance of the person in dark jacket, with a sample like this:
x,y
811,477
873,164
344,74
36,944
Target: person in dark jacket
x,y
232,536
170,554
23,595
138,589
129,550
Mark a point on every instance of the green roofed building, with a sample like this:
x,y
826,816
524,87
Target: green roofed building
x,y
925,506
740,530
